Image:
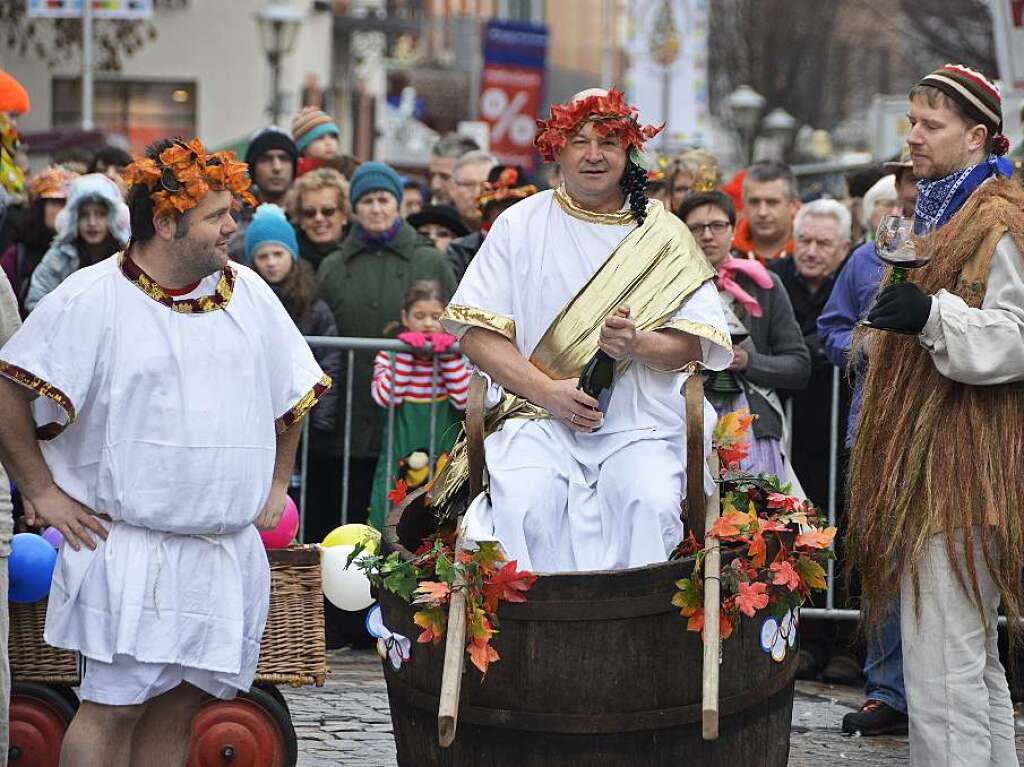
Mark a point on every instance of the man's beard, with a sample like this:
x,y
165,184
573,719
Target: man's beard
x,y
195,259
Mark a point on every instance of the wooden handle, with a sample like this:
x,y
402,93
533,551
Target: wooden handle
x,y
695,454
454,651
475,433
712,608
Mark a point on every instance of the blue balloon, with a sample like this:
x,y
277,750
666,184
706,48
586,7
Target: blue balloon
x,y
30,567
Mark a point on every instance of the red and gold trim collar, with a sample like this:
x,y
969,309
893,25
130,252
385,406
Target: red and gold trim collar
x,y
221,294
609,113
43,389
299,410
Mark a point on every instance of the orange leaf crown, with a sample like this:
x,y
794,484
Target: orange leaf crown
x,y
609,114
508,187
184,172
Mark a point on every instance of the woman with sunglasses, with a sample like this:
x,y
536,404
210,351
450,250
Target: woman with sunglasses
x,y
318,207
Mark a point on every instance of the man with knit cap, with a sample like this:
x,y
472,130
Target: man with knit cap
x,y
936,483
272,158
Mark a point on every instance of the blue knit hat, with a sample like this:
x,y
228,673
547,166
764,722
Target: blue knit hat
x,y
270,225
374,176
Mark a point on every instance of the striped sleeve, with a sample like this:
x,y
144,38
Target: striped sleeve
x,y
456,379
383,381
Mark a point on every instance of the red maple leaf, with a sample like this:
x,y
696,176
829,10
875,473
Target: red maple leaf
x,y
507,584
751,598
431,593
785,575
397,494
757,551
782,501
696,623
816,539
482,654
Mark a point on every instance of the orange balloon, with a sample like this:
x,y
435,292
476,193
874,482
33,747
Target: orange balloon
x,y
13,96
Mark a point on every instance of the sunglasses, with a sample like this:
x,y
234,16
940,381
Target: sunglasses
x,y
325,212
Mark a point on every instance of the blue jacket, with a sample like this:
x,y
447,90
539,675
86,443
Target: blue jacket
x,y
852,296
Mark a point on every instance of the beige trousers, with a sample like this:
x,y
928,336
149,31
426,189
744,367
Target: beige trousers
x,y
957,696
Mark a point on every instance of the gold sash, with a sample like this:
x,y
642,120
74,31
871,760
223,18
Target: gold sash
x,y
652,271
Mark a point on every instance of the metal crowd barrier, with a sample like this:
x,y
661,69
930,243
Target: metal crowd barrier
x,y
351,346
373,345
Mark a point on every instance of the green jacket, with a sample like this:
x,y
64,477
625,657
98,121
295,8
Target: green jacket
x,y
364,288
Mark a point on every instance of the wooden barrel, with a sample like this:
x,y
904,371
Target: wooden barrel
x,y
596,669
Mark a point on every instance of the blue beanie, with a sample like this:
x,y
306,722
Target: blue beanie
x,y
270,225
374,176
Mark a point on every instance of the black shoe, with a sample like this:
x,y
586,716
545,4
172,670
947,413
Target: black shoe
x,y
875,718
842,669
807,666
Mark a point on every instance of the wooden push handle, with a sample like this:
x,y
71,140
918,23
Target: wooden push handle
x,y
475,433
695,500
712,608
454,652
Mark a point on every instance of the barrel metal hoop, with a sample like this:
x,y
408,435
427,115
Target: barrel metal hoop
x,y
594,724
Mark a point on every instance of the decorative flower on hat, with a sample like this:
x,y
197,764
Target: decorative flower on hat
x,y
507,187
609,113
185,172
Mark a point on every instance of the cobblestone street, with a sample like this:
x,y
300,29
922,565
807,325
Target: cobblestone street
x,y
347,723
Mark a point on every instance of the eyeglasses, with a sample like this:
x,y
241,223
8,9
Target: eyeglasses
x,y
325,212
716,227
477,185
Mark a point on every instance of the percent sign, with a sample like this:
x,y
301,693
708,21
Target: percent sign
x,y
504,114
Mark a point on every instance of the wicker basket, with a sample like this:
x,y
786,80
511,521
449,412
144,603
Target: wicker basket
x,y
292,650
32,660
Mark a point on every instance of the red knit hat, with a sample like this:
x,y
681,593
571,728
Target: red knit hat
x,y
976,95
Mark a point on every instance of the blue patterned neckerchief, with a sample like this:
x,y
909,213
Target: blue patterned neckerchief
x,y
939,199
375,241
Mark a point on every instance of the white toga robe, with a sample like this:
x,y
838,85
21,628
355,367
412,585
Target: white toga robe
x,y
169,428
559,500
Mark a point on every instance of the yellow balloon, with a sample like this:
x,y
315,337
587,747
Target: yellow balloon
x,y
350,535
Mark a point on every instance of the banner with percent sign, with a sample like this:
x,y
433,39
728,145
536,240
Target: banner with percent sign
x,y
103,9
512,88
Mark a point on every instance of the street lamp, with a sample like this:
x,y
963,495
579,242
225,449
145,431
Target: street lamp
x,y
745,105
279,25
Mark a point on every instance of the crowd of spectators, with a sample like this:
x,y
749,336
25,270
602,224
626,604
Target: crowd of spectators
x,y
341,241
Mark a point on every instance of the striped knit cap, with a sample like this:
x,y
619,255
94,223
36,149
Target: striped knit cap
x,y
309,124
977,96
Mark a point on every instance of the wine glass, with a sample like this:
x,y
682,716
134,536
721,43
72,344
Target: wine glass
x,y
898,242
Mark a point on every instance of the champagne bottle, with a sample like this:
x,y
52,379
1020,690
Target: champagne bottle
x,y
598,379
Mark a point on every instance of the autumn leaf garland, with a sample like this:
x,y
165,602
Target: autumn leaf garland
x,y
429,579
755,510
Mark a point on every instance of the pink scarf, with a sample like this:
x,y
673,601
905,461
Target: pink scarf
x,y
726,281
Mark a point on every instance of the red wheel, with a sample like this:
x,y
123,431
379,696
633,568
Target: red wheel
x,y
39,717
253,730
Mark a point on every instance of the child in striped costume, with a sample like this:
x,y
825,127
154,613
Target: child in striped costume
x,y
404,379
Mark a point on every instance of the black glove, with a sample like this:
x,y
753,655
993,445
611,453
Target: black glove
x,y
902,308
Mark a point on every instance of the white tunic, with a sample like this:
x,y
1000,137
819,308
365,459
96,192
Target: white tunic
x,y
170,430
535,258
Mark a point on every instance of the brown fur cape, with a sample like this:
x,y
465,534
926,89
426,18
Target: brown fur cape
x,y
933,455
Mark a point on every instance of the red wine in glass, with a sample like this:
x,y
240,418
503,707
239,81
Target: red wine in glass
x,y
899,245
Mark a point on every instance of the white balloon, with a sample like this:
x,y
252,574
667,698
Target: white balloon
x,y
345,589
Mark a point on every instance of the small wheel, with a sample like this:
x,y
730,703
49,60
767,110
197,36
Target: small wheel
x,y
274,692
39,717
253,730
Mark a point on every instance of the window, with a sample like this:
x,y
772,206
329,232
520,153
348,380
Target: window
x,y
140,110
